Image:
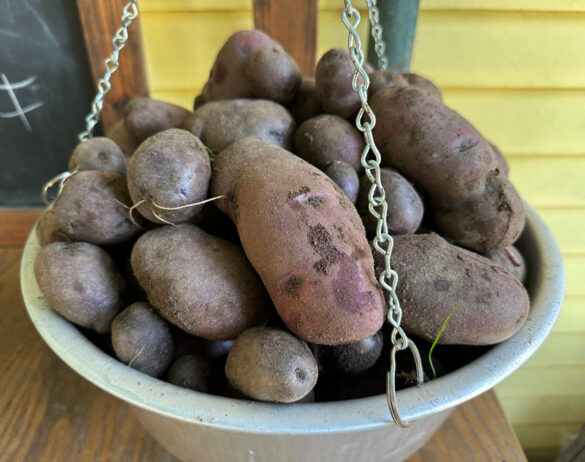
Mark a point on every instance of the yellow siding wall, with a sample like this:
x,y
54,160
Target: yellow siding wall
x,y
516,69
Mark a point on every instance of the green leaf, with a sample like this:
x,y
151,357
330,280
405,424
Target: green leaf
x,y
438,337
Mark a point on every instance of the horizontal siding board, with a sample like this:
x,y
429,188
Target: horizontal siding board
x,y
546,435
553,409
561,348
572,316
566,226
553,380
453,48
574,280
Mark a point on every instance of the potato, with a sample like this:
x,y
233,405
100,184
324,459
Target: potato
x,y
201,283
93,207
48,229
220,123
270,364
326,138
501,162
273,74
511,260
81,283
305,239
146,117
405,207
119,135
214,221
228,78
352,358
196,373
333,77
98,154
305,103
142,339
344,176
169,169
423,84
449,161
383,78
435,277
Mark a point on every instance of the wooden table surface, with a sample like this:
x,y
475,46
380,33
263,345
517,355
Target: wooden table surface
x,y
49,413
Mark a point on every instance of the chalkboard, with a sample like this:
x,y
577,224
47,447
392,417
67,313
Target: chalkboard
x,y
45,92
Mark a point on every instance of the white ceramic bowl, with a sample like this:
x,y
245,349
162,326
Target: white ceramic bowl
x,y
199,427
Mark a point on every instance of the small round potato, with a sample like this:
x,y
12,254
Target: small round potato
x,y
352,358
511,260
220,123
81,283
405,207
344,176
48,229
326,138
98,153
423,84
270,364
305,103
196,373
382,78
119,135
93,207
273,74
201,283
142,339
169,169
146,117
333,78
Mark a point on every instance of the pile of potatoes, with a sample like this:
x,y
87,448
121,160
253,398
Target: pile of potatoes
x,y
227,250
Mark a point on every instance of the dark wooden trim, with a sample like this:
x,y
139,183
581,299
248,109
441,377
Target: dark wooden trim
x,y
294,25
99,22
15,225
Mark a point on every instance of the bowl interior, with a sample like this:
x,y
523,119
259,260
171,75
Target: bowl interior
x,y
545,283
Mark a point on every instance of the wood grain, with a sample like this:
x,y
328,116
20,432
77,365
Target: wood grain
x,y
50,413
99,21
294,25
15,225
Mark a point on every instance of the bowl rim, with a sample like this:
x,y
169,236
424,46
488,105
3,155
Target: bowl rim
x,y
546,286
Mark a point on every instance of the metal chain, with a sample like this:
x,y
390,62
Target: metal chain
x,y
129,14
378,206
376,31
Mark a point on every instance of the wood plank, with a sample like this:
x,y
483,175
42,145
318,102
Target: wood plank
x,y
15,225
99,21
294,25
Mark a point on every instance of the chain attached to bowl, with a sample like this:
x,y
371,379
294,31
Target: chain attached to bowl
x,y
378,206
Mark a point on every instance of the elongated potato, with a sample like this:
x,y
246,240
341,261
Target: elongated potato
x,y
146,117
93,207
199,282
81,283
169,169
305,239
220,123
488,304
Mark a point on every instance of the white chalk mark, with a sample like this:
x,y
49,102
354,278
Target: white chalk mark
x,y
25,109
14,100
21,84
251,456
43,24
9,33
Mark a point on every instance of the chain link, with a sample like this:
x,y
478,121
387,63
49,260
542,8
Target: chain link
x,y
376,31
129,14
378,206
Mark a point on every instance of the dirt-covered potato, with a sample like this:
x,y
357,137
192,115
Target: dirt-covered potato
x,y
142,339
423,84
146,117
93,207
119,135
228,78
48,229
305,239
511,260
436,278
383,78
273,74
220,123
80,282
326,138
344,176
196,373
170,169
305,103
351,358
98,153
333,77
405,207
501,162
270,364
199,282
